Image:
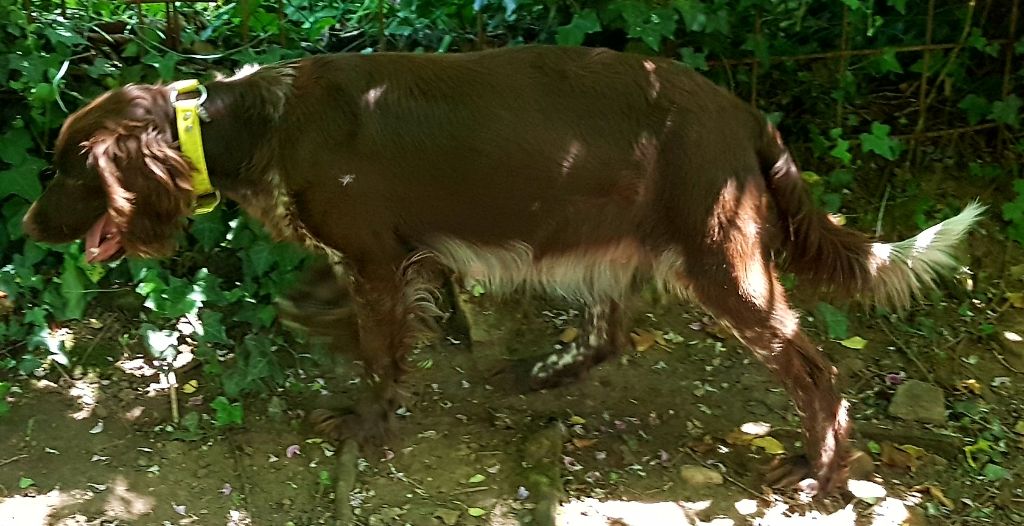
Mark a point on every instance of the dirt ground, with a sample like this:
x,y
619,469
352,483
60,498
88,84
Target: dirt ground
x,y
651,439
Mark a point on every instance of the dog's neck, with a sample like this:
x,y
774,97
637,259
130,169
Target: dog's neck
x,y
242,112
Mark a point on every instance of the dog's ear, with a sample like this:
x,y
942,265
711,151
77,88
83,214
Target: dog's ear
x,y
148,183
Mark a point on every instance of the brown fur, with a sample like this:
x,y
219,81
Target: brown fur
x,y
569,170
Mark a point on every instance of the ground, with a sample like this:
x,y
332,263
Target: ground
x,y
651,439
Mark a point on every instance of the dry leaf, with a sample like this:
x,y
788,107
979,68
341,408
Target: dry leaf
x,y
1016,299
569,334
583,442
898,457
739,438
643,340
937,494
970,386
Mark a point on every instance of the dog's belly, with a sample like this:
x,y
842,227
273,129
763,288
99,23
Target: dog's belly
x,y
586,273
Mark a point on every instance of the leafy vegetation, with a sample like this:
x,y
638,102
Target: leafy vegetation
x,y
851,112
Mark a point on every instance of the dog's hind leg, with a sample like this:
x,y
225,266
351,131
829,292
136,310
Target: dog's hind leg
x,y
603,335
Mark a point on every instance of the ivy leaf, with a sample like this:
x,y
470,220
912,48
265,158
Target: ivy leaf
x,y
880,142
900,5
976,107
583,23
836,323
887,62
23,179
994,472
697,61
210,229
72,288
1007,111
14,145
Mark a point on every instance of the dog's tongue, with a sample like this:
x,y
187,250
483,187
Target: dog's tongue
x,y
102,241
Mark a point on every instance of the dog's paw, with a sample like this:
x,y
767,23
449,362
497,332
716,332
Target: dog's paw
x,y
370,430
798,472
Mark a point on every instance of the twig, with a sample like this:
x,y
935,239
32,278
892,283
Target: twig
x,y
12,459
470,490
910,354
725,476
881,212
848,53
1003,360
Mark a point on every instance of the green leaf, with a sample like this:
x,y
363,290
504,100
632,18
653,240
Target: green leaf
x,y
476,479
879,142
226,413
72,289
476,512
695,60
976,107
210,229
855,342
994,472
1007,111
14,144
900,5
23,179
583,23
836,323
25,482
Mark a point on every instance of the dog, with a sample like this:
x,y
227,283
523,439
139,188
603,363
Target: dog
x,y
573,171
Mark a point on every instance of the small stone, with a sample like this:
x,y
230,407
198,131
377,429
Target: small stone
x,y
448,517
918,401
861,465
700,476
1012,342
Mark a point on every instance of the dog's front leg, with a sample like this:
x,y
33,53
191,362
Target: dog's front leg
x,y
387,309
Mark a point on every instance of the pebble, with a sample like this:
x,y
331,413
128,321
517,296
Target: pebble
x,y
700,476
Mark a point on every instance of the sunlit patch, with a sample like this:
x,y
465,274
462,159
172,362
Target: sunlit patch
x,y
570,157
652,77
84,392
238,518
243,72
371,97
756,428
36,510
593,512
123,503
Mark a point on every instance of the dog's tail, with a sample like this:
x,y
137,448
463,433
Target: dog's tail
x,y
819,250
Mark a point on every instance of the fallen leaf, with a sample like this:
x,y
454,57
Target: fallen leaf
x,y
476,479
476,512
1016,299
969,386
739,438
583,442
769,445
896,456
855,342
190,387
643,340
569,334
1019,427
577,420
938,495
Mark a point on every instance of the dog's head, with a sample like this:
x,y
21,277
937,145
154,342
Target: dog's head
x,y
122,184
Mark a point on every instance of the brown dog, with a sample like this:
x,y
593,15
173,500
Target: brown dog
x,y
573,171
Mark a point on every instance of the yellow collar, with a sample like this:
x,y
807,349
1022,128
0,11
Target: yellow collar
x,y
188,114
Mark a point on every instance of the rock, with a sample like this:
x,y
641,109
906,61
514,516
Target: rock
x,y
919,402
861,465
448,517
700,476
1012,342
